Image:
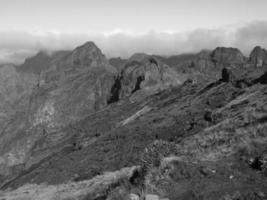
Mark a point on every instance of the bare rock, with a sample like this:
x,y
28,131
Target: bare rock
x,y
146,75
225,55
258,56
228,75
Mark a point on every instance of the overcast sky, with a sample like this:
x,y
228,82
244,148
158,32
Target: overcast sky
x,y
123,27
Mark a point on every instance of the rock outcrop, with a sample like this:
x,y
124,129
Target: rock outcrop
x,y
76,83
36,64
206,65
258,56
144,75
73,85
228,75
227,56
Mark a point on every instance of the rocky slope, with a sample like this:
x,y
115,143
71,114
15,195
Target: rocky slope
x,y
203,138
69,86
72,85
144,75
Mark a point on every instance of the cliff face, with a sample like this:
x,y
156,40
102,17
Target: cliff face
x,y
258,57
144,75
225,55
76,83
71,85
206,65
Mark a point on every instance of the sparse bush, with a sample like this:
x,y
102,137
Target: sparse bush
x,y
154,153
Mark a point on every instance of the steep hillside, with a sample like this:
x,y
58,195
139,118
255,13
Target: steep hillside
x,y
74,84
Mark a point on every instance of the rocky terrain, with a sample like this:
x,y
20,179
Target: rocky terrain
x,y
75,125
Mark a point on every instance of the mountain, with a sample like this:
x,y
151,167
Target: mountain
x,y
206,65
35,64
228,56
74,84
258,56
118,63
143,75
193,129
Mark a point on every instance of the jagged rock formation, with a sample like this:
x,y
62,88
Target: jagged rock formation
x,y
144,75
77,83
223,55
36,64
73,85
258,56
206,65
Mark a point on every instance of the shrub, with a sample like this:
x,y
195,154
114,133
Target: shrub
x,y
154,153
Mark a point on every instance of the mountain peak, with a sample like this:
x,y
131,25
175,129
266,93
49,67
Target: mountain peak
x,y
138,57
88,45
36,64
87,53
227,55
258,56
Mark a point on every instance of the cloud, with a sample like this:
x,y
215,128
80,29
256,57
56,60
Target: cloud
x,y
251,35
15,46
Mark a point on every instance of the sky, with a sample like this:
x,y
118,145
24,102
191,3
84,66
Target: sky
x,y
123,27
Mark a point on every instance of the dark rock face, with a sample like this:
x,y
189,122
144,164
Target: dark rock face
x,y
258,56
228,75
225,55
144,75
262,79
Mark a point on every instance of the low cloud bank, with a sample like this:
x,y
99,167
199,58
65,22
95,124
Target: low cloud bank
x,y
15,46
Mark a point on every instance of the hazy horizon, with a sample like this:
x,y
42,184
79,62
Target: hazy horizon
x,y
121,28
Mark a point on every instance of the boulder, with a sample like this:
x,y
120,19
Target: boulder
x,y
228,75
